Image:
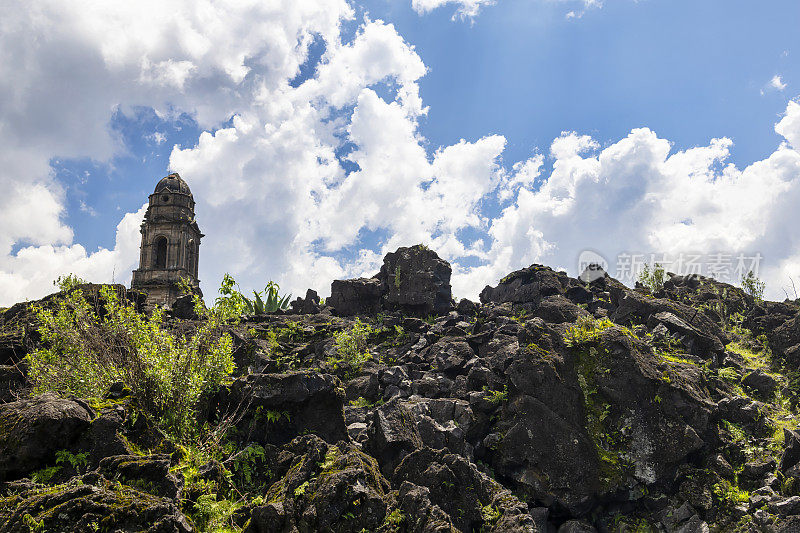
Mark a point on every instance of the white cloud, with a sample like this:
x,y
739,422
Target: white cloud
x,y
31,271
157,137
584,6
464,8
65,68
637,195
777,83
789,125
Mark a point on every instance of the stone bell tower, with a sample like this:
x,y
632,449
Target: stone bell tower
x,y
170,243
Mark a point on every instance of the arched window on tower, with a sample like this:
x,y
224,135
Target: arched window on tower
x,y
192,257
161,253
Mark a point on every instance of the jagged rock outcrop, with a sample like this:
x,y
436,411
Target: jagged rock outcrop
x,y
412,280
416,281
360,296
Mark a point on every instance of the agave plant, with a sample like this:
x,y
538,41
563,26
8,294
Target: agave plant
x,y
268,300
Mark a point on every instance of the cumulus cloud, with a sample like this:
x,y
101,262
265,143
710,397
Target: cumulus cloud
x,y
31,271
638,195
464,8
65,68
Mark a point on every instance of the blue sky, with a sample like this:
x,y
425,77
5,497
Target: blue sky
x,y
508,80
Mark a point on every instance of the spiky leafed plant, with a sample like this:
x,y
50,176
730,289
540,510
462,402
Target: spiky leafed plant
x,y
270,302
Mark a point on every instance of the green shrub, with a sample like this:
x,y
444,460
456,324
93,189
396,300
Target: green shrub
x,y
212,514
230,303
729,495
83,353
68,282
490,514
653,278
351,346
753,286
586,329
495,396
395,518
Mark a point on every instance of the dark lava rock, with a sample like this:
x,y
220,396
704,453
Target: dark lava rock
x,y
326,488
761,382
555,445
150,473
183,308
422,515
31,431
278,407
704,335
470,498
12,381
416,281
355,296
576,526
308,305
528,285
392,434
557,309
791,451
99,506
466,307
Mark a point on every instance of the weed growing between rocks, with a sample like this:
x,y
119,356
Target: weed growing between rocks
x,y
351,348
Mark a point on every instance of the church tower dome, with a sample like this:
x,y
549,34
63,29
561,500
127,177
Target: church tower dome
x,y
170,243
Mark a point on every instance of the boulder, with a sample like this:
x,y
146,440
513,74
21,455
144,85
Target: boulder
x,y
278,407
570,424
97,506
392,434
791,450
761,382
452,355
696,342
13,347
634,307
466,307
766,317
32,430
359,296
416,281
149,473
12,381
558,309
183,308
420,513
323,488
471,499
527,286
576,526
104,438
365,386
786,335
308,305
